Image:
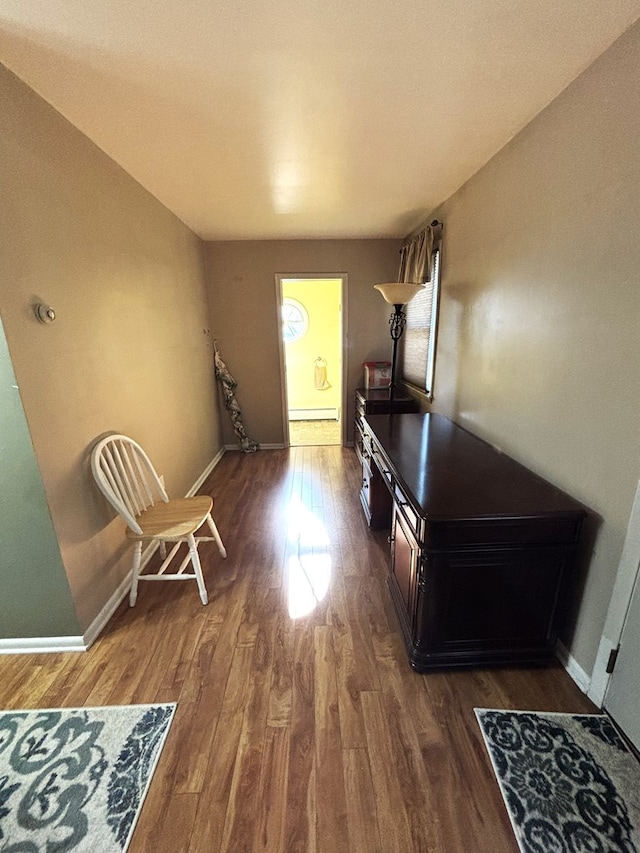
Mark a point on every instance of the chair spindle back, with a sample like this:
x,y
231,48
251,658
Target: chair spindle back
x,y
126,477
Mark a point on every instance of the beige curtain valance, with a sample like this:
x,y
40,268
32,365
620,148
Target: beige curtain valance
x,y
416,256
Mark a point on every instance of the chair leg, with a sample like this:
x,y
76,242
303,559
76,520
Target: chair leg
x,y
162,545
137,554
216,535
195,559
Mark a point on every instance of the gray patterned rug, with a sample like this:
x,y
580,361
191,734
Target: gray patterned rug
x,y
75,778
568,781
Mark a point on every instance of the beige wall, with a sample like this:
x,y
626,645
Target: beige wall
x,y
539,344
129,350
245,317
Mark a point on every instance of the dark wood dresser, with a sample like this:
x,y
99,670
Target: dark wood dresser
x,y
480,545
374,494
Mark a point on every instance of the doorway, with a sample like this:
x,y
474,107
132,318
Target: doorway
x,y
311,309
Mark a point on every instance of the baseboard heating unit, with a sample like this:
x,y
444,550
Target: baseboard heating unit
x,y
314,415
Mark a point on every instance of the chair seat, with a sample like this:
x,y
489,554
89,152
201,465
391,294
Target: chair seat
x,y
173,520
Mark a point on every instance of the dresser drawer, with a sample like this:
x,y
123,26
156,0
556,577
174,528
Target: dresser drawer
x,y
403,505
382,463
498,532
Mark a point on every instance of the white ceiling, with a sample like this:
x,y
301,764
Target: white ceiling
x,y
265,119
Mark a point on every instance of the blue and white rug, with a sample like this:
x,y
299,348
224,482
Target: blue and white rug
x,y
74,779
568,781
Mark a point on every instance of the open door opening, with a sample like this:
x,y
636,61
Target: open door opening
x,y
312,361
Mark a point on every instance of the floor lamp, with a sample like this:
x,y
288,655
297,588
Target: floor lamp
x,y
398,294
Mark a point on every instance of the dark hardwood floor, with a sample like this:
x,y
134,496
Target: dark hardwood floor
x,y
299,724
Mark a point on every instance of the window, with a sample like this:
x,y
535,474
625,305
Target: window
x,y
417,359
295,320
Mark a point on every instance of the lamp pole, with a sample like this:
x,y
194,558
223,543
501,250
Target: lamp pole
x,y
397,322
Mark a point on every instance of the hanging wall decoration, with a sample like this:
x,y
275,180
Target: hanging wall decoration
x,y
228,385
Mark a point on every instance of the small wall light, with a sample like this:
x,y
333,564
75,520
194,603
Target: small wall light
x,y
44,313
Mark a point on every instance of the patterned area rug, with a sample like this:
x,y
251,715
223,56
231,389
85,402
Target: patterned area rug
x,y
75,778
568,781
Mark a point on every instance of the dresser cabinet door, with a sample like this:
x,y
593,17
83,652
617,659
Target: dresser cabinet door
x,y
486,607
494,599
405,560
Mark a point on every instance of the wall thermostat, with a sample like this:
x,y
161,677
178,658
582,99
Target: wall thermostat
x,y
44,313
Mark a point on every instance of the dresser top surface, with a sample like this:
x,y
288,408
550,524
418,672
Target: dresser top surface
x,y
451,474
382,394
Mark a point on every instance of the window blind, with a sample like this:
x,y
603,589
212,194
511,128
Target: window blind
x,y
417,356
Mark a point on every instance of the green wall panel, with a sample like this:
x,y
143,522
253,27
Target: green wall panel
x,y
35,599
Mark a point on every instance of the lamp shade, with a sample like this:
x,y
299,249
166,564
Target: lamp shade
x,y
398,292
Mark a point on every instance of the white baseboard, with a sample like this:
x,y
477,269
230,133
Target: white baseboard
x,y
38,645
192,491
572,666
93,631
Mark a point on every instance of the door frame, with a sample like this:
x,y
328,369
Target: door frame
x,y
279,278
626,579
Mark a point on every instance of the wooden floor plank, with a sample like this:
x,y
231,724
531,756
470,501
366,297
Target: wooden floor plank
x,y
361,807
391,809
270,825
240,818
280,696
332,830
299,724
300,830
351,679
172,827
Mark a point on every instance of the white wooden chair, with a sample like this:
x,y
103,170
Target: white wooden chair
x,y
128,480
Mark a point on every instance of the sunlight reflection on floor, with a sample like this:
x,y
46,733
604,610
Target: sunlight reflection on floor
x,y
309,561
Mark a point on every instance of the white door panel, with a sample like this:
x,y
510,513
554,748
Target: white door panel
x,y
622,699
